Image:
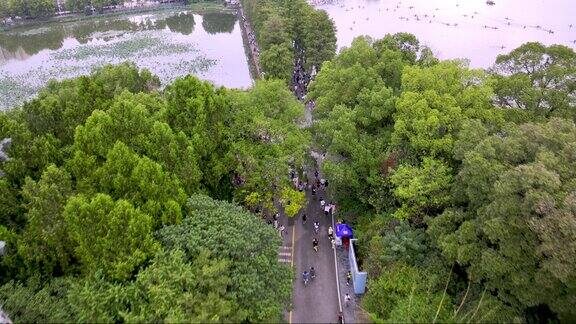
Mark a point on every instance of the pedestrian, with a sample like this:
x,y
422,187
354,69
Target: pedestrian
x,y
322,202
326,210
340,318
276,224
348,278
347,299
330,233
333,242
282,230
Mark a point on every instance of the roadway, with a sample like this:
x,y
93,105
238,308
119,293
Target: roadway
x,y
318,301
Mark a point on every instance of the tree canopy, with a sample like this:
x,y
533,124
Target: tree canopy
x,y
109,181
459,182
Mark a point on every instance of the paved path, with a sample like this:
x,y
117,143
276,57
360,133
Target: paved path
x,y
317,302
250,39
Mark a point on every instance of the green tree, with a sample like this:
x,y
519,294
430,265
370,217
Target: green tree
x,y
319,38
275,32
518,183
267,139
538,79
45,244
172,289
230,241
34,303
404,294
110,235
276,62
422,190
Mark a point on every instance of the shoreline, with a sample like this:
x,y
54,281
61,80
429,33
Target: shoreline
x,y
198,8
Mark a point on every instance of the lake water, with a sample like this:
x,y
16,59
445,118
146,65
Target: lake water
x,y
458,28
169,42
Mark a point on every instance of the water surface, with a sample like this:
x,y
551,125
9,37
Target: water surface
x,y
170,43
458,28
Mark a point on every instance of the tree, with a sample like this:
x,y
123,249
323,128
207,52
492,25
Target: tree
x,y
537,79
422,190
293,201
45,243
276,62
503,238
404,294
238,246
435,102
274,32
172,289
266,140
34,303
203,114
319,38
111,235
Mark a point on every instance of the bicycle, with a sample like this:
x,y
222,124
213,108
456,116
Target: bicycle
x,y
305,278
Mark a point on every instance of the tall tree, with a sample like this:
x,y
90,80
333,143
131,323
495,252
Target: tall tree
x,y
539,79
110,235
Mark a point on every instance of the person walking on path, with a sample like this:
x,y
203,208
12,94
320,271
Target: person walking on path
x,y
281,230
347,299
330,233
348,278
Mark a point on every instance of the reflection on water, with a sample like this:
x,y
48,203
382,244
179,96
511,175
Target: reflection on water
x,y
217,22
458,28
169,43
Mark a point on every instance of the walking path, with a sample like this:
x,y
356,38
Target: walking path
x,y
250,40
322,300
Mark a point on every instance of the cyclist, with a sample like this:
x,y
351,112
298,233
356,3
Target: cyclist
x,y
305,277
312,273
315,244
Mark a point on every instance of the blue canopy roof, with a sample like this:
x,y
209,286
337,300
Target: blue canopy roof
x,y
343,230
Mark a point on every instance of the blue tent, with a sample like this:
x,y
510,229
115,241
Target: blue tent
x,y
343,231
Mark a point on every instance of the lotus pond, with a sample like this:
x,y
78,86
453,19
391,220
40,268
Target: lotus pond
x,y
170,43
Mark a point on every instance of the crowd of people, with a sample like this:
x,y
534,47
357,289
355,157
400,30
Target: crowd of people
x,y
252,44
300,78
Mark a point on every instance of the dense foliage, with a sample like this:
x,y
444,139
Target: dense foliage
x,y
283,27
96,209
460,182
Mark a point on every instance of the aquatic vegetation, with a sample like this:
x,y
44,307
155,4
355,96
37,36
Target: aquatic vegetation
x,y
154,50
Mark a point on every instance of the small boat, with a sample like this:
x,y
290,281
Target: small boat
x,y
490,2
